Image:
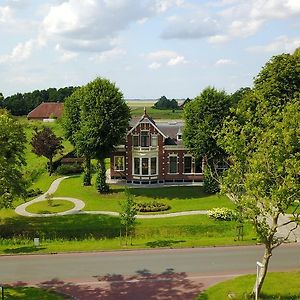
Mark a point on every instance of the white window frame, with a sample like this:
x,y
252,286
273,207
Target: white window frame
x,y
135,135
123,165
149,166
154,136
194,164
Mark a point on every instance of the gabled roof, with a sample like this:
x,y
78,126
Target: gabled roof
x,y
146,119
45,109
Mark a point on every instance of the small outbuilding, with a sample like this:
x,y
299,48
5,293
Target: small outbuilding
x,y
46,111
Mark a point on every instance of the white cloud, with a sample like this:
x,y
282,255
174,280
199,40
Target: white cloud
x,y
91,25
65,55
21,52
224,62
154,66
280,44
6,14
108,55
163,5
165,57
177,61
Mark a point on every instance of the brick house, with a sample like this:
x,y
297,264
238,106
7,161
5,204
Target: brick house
x,y
154,153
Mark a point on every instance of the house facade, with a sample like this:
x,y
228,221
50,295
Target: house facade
x,y
154,153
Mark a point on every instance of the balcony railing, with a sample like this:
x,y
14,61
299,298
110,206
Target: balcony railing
x,y
149,148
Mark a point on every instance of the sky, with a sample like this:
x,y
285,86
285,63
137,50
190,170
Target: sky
x,y
149,48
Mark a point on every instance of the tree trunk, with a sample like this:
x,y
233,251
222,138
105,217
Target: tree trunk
x,y
87,171
50,166
102,186
262,271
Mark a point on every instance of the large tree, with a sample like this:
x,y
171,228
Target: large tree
x,y
203,119
46,143
12,145
103,119
263,141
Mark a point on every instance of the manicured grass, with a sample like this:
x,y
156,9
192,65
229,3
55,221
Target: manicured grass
x,y
30,293
279,286
44,181
157,113
179,198
100,232
56,206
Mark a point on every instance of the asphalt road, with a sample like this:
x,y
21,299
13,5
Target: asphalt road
x,y
86,266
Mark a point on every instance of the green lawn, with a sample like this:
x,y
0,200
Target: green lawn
x,y
101,232
277,286
55,206
31,293
179,198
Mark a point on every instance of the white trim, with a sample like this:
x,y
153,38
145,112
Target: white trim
x,y
149,166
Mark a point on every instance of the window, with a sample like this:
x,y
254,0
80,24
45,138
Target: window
x,y
135,140
179,137
145,166
154,140
173,164
136,166
198,165
153,166
119,164
187,164
145,138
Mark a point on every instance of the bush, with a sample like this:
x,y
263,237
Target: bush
x,y
153,206
33,192
69,169
222,214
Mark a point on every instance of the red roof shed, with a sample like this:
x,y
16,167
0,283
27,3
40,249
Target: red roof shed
x,y
45,109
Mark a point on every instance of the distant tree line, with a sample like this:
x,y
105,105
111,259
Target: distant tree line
x,y
21,104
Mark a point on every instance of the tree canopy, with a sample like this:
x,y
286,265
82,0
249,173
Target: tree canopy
x,y
164,103
21,104
46,143
12,145
203,119
262,139
102,122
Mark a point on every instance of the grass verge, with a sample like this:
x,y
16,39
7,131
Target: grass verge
x,y
277,286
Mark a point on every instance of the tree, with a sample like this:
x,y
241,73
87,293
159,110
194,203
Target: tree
x,y
204,117
102,123
71,124
128,215
262,139
1,100
46,143
164,103
12,145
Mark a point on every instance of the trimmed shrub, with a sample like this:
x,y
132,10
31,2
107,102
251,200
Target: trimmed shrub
x,y
153,206
33,193
222,214
69,169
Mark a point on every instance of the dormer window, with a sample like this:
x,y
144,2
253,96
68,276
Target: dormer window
x,y
135,140
145,138
179,135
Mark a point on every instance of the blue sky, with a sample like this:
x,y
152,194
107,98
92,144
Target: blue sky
x,y
149,48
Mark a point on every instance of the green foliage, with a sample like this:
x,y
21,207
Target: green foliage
x,y
101,185
164,103
262,140
96,121
203,119
21,104
12,146
210,184
69,169
153,206
222,214
46,143
128,214
33,193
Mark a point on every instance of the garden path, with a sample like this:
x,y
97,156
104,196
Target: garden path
x,y
79,205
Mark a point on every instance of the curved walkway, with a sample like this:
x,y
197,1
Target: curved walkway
x,y
79,205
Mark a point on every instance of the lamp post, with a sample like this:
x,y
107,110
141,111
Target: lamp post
x,y
259,265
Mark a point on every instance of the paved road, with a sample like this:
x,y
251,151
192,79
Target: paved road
x,y
149,274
